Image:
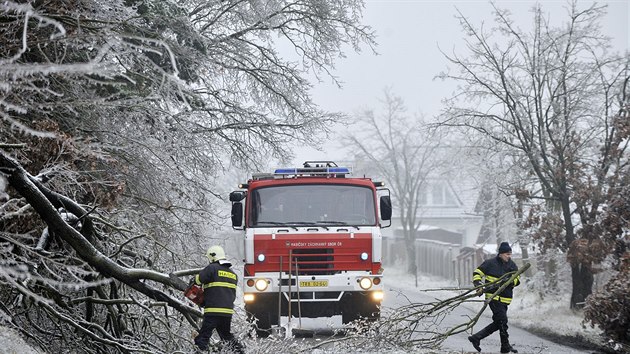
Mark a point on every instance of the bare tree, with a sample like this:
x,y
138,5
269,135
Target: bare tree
x,y
406,154
547,96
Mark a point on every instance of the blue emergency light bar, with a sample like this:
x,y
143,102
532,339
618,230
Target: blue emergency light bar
x,y
324,170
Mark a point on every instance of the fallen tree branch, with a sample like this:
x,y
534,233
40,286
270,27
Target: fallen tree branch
x,y
42,200
421,321
417,325
96,300
12,146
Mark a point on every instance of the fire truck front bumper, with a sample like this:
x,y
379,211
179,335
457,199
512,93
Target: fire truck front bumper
x,y
313,288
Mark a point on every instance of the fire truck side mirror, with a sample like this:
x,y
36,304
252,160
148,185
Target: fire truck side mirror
x,y
237,214
386,208
237,196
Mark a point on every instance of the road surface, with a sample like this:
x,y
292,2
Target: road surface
x,y
523,341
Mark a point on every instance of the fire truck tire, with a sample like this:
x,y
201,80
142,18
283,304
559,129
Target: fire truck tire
x,y
265,321
372,315
349,316
367,310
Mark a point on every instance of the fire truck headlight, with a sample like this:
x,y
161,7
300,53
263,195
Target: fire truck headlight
x,y
364,256
261,257
248,297
377,295
261,284
365,283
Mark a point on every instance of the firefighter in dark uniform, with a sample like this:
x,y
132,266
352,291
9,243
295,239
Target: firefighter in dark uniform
x,y
219,291
493,269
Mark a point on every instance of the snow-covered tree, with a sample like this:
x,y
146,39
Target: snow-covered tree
x,y
123,113
608,213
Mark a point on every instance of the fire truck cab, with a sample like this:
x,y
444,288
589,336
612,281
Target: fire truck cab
x,y
312,243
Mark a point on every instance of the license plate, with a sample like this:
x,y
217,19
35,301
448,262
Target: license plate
x,y
315,283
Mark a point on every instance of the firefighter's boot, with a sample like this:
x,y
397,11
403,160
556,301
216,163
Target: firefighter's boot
x,y
235,346
506,347
476,338
475,342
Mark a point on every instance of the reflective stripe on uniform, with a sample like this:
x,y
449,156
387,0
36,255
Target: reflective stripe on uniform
x,y
219,283
218,310
505,300
478,274
197,280
491,279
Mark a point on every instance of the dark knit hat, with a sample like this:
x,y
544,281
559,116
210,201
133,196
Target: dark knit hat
x,y
505,248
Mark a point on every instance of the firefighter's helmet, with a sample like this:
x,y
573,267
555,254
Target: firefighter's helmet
x,y
215,253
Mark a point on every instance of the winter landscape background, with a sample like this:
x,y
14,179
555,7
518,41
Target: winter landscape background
x,y
125,124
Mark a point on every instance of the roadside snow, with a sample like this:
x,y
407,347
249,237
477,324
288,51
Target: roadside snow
x,y
12,343
551,315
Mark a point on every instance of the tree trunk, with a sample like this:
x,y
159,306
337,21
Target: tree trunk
x,y
410,244
551,272
522,240
582,277
525,257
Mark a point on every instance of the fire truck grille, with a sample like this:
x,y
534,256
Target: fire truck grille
x,y
314,261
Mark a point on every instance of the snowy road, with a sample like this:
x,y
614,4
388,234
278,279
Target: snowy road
x,y
523,341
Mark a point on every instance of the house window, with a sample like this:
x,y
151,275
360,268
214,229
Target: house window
x,y
438,194
424,198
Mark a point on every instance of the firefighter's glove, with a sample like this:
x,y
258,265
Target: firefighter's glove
x,y
496,286
479,291
492,288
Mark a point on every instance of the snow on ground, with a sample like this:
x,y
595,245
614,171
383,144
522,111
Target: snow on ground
x,y
549,317
12,343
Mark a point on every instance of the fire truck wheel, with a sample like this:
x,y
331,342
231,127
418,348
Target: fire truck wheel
x,y
369,311
265,321
349,316
372,315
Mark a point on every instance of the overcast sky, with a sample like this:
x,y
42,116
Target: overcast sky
x,y
410,34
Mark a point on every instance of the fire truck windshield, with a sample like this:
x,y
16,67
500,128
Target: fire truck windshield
x,y
312,204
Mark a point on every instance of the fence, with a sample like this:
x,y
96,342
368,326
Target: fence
x,y
443,259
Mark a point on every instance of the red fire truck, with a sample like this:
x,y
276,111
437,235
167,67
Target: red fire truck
x,y
312,243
